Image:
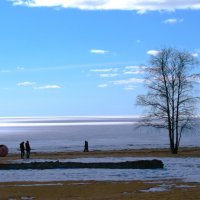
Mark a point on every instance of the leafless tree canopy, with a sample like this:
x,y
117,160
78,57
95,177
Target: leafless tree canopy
x,y
170,100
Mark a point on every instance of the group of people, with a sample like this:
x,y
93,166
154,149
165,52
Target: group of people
x,y
26,149
25,146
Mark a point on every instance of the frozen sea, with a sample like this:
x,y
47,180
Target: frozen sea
x,y
69,133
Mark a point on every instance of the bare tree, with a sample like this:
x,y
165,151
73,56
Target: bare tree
x,y
170,100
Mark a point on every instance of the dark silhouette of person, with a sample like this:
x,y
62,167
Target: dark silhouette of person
x,y
22,149
28,149
86,148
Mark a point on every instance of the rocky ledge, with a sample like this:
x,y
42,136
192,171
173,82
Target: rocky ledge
x,y
139,164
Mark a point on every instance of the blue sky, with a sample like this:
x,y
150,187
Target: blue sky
x,y
83,57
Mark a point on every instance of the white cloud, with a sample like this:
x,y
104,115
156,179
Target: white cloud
x,y
34,85
129,87
195,55
173,21
19,68
5,71
153,52
103,85
12,70
141,6
26,83
128,81
98,51
46,87
195,79
134,69
104,70
134,72
108,75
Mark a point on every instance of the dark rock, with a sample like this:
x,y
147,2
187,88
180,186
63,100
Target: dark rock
x,y
140,164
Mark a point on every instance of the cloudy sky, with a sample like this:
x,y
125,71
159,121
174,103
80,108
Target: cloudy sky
x,y
86,57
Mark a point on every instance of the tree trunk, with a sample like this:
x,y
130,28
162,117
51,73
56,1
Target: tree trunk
x,y
173,147
174,150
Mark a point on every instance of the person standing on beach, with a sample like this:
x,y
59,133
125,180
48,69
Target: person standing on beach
x,y
22,149
86,148
28,149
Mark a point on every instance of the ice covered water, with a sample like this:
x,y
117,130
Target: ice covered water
x,y
69,133
186,169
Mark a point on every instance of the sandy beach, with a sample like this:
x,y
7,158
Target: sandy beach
x,y
162,152
120,190
92,190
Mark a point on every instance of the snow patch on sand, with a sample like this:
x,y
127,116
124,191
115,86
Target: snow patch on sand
x,y
160,188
